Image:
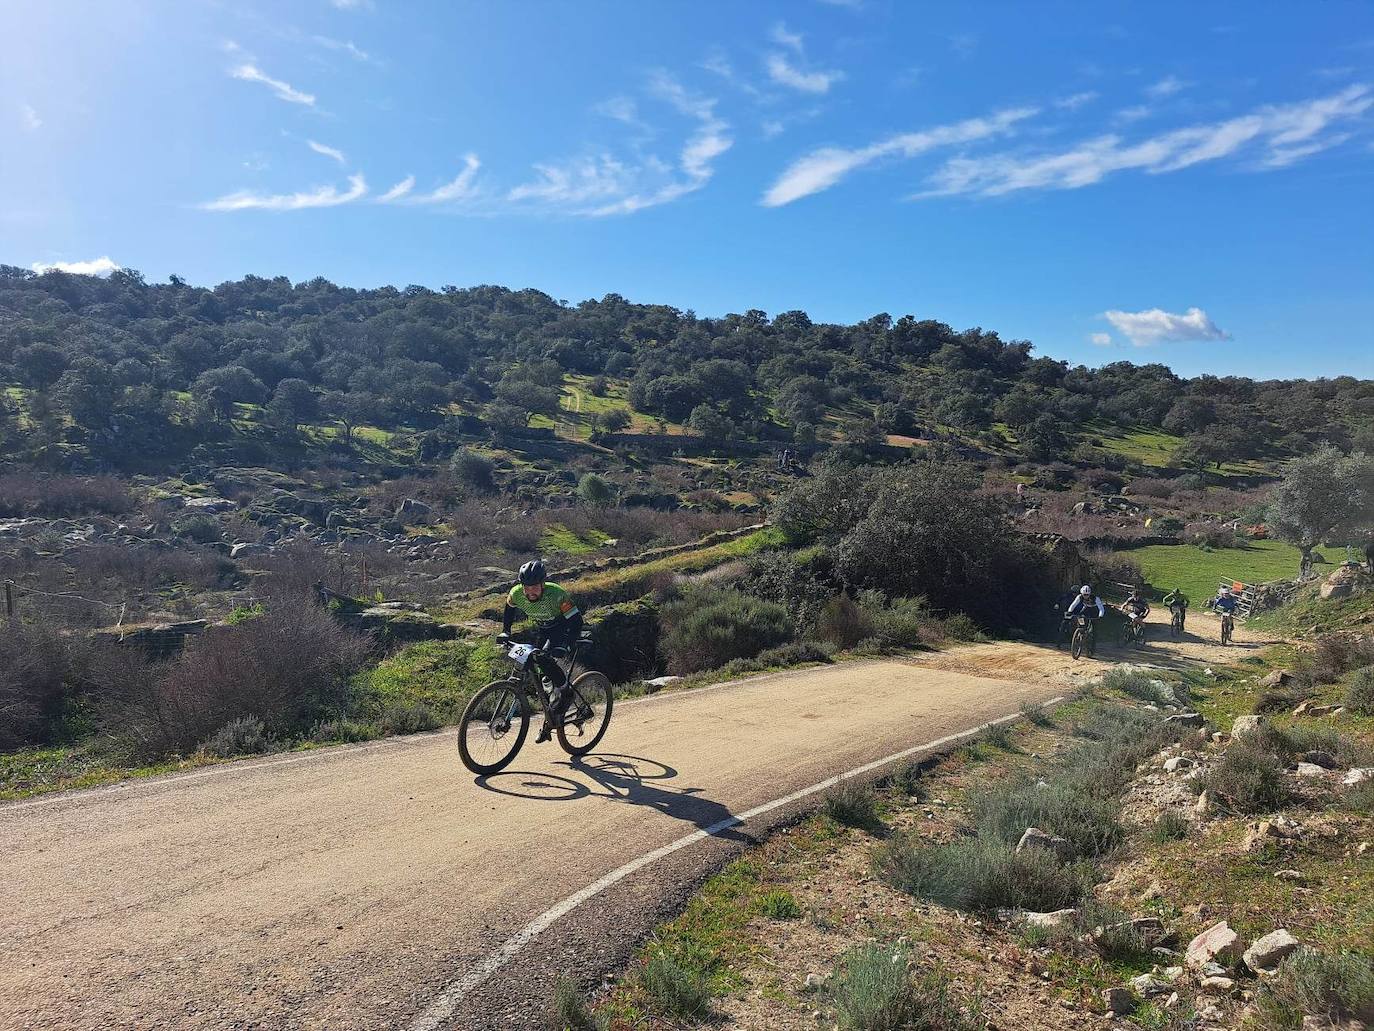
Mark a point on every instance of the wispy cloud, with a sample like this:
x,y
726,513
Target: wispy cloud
x,y
354,5
1166,87
1100,339
1156,325
1133,114
823,168
783,37
329,152
28,118
1075,101
102,266
318,197
398,191
344,46
462,187
1281,134
784,72
284,90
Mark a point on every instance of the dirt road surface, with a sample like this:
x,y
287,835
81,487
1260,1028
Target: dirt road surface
x,y
379,885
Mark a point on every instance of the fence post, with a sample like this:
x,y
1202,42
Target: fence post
x,y
9,602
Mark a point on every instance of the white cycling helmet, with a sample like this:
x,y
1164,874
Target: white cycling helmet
x,y
1225,591
1086,591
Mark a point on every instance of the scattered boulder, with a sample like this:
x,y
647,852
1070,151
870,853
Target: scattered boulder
x,y
209,505
412,511
1311,771
1358,776
1185,719
1325,760
1148,985
248,550
1217,942
402,625
1118,1001
1053,921
1278,678
659,683
1342,583
1178,764
1217,983
1264,954
1035,838
1246,726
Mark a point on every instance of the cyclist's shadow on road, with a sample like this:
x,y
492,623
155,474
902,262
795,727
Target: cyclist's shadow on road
x,y
626,778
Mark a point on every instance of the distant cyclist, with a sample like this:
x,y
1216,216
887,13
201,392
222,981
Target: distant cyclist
x,y
1225,602
1087,604
1177,604
558,622
1135,607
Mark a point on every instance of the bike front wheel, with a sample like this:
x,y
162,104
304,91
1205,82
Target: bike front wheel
x,y
1226,631
493,727
1079,640
588,714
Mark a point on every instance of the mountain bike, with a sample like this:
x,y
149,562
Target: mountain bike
x,y
497,720
1084,637
1228,627
1176,623
1133,633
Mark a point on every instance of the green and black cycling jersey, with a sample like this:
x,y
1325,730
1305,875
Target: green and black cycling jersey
x,y
553,606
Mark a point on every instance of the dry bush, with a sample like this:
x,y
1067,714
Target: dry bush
x,y
59,495
442,492
289,669
37,665
1152,488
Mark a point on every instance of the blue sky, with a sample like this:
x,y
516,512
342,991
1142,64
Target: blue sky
x,y
1185,183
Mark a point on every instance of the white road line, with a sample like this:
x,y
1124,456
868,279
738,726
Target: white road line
x,y
444,1005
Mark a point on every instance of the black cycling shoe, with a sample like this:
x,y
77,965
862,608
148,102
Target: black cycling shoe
x,y
558,705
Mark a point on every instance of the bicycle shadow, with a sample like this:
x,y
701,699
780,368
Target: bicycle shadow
x,y
621,778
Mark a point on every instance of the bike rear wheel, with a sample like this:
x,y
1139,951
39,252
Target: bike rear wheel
x,y
493,727
588,714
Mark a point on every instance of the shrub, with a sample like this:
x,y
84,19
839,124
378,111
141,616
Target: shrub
x,y
980,875
1310,983
803,581
408,717
202,529
854,805
348,731
903,622
1360,798
38,683
570,1012
1003,811
60,494
289,668
843,623
1037,714
678,981
1359,696
997,735
779,905
1248,779
1170,826
1337,655
709,626
872,990
1112,932
244,736
595,490
473,470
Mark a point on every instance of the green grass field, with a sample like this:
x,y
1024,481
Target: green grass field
x,y
1199,572
1152,447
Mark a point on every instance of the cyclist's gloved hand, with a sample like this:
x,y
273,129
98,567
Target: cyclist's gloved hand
x,y
503,637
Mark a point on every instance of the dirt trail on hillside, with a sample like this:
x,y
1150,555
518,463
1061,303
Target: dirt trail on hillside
x,y
355,887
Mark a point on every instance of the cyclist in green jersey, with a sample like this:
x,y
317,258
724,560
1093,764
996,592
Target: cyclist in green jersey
x,y
558,622
1177,601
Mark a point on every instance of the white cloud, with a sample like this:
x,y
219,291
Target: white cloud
x,y
577,182
1154,326
1134,114
1100,339
344,46
783,72
1281,134
319,197
1166,87
461,187
284,90
399,190
783,37
1077,100
102,266
329,152
353,5
823,168
29,117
